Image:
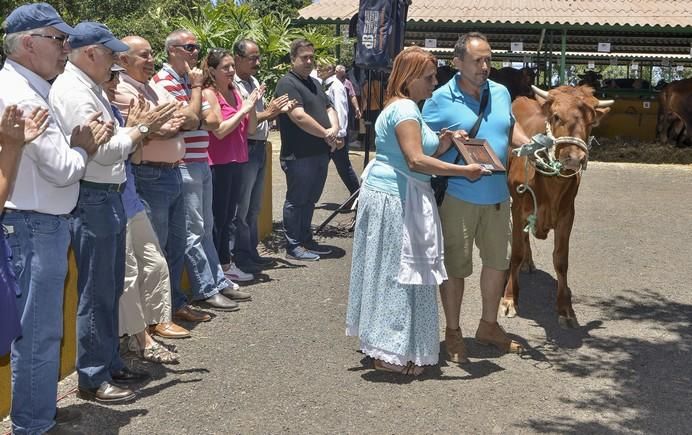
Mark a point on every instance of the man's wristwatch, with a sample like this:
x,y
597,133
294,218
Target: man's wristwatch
x,y
143,129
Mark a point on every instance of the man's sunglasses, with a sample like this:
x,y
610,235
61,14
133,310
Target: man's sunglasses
x,y
114,75
189,47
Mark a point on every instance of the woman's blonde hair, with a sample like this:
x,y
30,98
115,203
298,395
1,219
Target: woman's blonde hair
x,y
409,65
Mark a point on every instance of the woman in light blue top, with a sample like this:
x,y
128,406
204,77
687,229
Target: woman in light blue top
x,y
397,324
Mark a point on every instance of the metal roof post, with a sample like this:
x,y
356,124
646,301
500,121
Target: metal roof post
x,y
563,72
338,47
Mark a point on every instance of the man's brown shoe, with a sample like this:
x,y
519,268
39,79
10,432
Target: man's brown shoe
x,y
493,334
169,330
454,343
106,393
187,314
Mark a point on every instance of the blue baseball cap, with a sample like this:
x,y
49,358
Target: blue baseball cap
x,y
35,16
91,33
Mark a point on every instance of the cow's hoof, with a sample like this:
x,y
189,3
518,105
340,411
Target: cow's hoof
x,y
568,322
508,308
527,267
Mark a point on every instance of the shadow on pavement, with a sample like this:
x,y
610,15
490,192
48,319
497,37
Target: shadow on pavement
x,y
650,371
103,419
537,301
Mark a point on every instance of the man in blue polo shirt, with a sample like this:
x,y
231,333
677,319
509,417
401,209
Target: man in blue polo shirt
x,y
475,211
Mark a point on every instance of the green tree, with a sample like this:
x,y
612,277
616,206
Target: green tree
x,y
222,25
287,8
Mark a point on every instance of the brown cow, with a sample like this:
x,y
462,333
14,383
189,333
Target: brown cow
x,y
675,113
517,81
572,112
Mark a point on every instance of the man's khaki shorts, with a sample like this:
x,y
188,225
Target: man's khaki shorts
x,y
487,225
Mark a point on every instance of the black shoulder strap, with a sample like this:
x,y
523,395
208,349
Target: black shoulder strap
x,y
477,125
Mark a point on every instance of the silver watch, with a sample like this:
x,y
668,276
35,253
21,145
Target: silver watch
x,y
143,128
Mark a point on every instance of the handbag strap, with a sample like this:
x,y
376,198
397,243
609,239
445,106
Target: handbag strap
x,y
477,125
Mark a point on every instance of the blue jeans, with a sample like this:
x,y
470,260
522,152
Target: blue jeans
x,y
345,169
99,244
161,191
305,178
229,183
39,244
201,259
249,203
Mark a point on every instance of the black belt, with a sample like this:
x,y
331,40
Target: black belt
x,y
256,142
104,186
169,165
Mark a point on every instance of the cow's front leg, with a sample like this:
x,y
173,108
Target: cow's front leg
x,y
510,301
566,316
527,264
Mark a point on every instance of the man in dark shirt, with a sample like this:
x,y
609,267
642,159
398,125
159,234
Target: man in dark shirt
x,y
308,135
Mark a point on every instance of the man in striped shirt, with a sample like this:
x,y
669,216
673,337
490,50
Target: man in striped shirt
x,y
182,80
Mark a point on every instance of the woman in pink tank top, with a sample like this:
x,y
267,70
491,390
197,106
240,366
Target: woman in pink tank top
x,y
228,149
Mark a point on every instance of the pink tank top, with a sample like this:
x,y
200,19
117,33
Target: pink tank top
x,y
232,148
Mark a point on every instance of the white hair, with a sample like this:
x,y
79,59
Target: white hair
x,y
11,43
340,68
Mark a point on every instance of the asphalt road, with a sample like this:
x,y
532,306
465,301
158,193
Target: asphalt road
x,y
283,365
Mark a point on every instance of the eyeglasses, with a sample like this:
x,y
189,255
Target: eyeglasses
x,y
114,75
61,39
189,47
256,58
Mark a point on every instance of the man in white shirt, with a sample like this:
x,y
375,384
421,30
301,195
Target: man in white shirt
x,y
100,220
336,91
36,216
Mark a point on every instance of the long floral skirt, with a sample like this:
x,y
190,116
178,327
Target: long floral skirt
x,y
395,323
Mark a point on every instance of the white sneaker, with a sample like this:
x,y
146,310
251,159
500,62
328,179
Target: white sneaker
x,y
235,274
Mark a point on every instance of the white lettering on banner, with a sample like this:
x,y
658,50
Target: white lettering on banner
x,y
604,47
430,43
370,18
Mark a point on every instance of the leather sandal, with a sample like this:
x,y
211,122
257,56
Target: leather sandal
x,y
492,334
454,344
409,369
156,353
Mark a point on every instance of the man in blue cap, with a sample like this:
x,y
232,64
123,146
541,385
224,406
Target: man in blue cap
x,y
100,219
36,214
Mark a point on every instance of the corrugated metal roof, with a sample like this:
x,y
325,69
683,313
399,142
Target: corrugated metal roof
x,y
662,13
586,55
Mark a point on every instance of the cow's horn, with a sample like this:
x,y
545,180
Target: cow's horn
x,y
605,103
540,92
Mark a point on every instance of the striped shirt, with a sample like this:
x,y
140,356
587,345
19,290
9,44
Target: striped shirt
x,y
196,141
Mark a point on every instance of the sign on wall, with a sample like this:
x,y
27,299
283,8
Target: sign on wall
x,y
604,47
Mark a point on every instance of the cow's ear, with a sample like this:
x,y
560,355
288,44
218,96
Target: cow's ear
x,y
600,113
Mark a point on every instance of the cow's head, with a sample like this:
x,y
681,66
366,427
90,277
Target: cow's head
x,y
571,113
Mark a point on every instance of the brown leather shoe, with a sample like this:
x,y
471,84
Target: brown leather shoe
x,y
454,343
169,330
106,393
187,314
493,334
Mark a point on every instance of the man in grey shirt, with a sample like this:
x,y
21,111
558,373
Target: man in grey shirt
x,y
247,63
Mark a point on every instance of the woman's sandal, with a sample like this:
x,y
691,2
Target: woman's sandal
x,y
409,369
156,353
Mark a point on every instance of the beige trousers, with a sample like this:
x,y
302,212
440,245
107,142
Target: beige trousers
x,y
146,299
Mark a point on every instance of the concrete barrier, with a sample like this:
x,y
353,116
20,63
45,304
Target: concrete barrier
x,y
68,348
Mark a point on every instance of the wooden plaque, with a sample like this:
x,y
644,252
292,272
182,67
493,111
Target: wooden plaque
x,y
479,151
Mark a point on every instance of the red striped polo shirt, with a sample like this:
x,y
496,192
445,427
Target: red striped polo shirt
x,y
196,141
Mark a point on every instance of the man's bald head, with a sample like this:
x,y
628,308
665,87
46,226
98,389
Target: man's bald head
x,y
138,61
